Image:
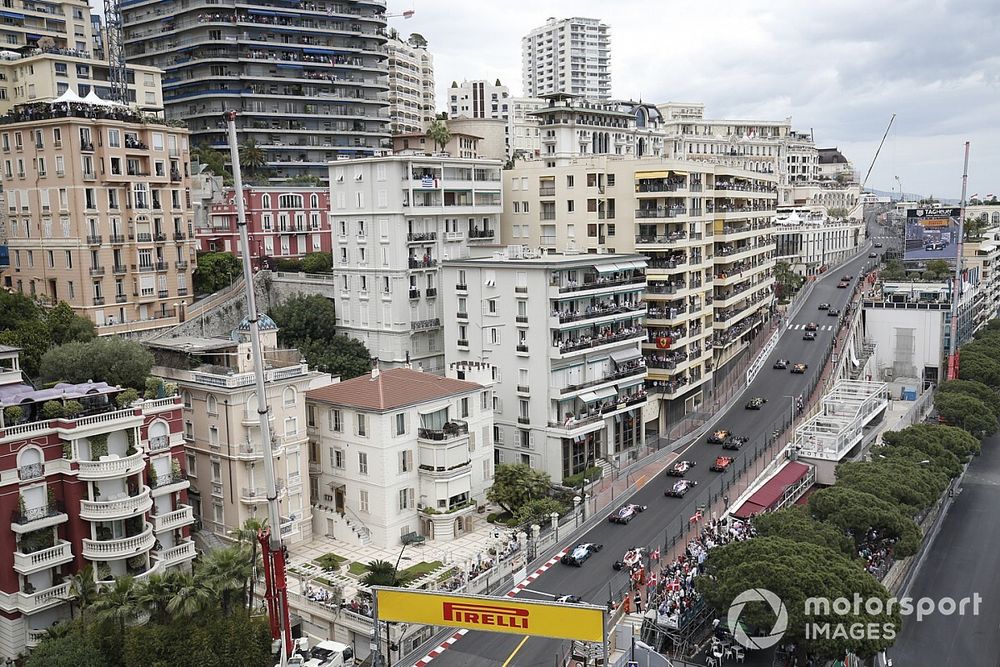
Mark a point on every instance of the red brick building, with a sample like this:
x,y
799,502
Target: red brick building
x,y
284,222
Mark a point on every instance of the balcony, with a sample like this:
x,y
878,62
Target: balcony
x,y
169,483
477,235
179,236
119,269
163,294
431,292
450,431
30,603
583,287
120,508
546,191
174,555
181,265
660,212
423,325
158,442
95,239
116,239
522,348
179,517
422,263
27,563
120,548
161,266
96,271
31,471
99,300
36,518
523,420
442,472
461,287
414,293
112,467
415,237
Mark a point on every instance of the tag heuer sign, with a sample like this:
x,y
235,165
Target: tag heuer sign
x,y
934,212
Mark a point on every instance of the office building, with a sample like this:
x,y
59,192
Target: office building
x,y
87,481
570,374
221,430
400,453
308,79
394,220
411,85
570,56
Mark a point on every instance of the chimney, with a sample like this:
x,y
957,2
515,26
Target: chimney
x,y
375,371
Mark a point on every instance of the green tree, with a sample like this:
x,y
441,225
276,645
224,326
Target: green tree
x,y
417,41
226,572
974,227
974,389
343,356
438,132
786,281
253,158
214,160
65,326
215,271
905,483
966,412
118,605
83,587
938,268
301,319
71,650
856,512
794,523
192,596
893,270
381,573
837,211
539,510
155,593
974,365
990,328
23,324
247,535
317,262
112,359
517,484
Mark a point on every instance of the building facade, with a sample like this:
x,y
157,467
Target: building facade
x,y
98,214
481,100
400,452
283,222
65,22
524,132
570,374
103,485
221,431
309,81
394,220
411,86
810,242
567,56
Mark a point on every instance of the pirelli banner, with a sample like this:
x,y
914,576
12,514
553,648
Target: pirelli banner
x,y
540,619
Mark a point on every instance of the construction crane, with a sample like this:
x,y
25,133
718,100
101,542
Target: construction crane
x,y
273,552
114,40
959,279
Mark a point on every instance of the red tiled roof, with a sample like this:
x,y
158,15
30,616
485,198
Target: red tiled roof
x,y
769,494
392,389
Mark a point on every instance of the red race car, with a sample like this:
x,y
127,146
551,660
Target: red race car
x,y
722,463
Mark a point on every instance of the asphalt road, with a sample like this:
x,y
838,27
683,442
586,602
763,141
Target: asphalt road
x,y
961,562
591,581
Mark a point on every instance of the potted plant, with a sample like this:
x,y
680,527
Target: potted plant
x,y
72,408
52,410
13,415
126,398
67,448
98,446
152,477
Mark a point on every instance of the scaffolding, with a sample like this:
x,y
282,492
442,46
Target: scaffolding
x,y
839,425
677,638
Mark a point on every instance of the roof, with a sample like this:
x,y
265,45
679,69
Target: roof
x,y
392,389
6,349
264,323
22,393
766,496
192,344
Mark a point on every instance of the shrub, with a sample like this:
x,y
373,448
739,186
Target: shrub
x,y
13,415
593,474
126,398
52,410
72,409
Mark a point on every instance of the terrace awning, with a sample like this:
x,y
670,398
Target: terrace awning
x,y
651,174
598,395
624,356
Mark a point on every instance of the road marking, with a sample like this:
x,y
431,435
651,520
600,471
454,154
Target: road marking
x,y
511,656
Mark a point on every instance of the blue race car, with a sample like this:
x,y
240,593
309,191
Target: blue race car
x,y
580,554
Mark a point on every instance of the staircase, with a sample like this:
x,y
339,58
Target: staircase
x,y
607,470
363,533
210,541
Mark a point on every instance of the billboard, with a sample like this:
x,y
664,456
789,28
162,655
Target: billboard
x,y
931,233
492,614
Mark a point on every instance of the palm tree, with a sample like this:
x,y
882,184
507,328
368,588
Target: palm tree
x,y
225,573
154,595
191,596
438,132
253,158
83,588
381,573
247,534
119,604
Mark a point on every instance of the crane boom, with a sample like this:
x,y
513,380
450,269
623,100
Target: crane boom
x,y
877,151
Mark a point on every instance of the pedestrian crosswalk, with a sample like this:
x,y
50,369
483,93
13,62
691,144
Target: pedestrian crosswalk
x,y
824,327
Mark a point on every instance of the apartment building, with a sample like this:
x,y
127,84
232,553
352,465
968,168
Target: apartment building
x,y
481,100
221,430
810,242
401,452
567,56
571,126
310,80
524,132
394,220
461,144
103,484
411,85
706,231
65,22
283,222
569,385
98,213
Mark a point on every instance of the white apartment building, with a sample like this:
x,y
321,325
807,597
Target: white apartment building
x,y
706,231
809,241
570,375
411,86
481,100
567,56
400,452
524,131
224,452
394,219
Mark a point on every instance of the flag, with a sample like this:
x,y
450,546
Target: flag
x,y
427,182
655,555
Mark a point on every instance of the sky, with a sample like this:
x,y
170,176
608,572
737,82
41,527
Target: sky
x,y
840,69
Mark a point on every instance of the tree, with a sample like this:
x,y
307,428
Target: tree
x,y
253,158
83,587
112,359
154,595
191,597
381,573
317,262
539,510
978,367
837,212
966,412
787,281
341,355
907,484
794,523
247,535
23,324
516,484
118,605
417,41
893,270
70,650
857,512
974,389
65,326
938,268
213,159
305,318
226,572
796,571
438,132
215,271
974,227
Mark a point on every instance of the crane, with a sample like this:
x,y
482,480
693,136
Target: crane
x,y
115,45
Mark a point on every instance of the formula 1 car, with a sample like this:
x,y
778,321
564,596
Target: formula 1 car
x,y
579,555
781,364
846,278
718,437
812,326
799,369
680,468
735,442
833,312
632,557
626,513
843,284
824,306
569,599
809,335
679,488
756,403
722,463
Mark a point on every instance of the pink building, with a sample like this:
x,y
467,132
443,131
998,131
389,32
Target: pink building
x,y
284,222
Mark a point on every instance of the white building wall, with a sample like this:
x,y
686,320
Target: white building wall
x,y
567,55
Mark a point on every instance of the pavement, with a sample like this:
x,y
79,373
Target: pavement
x,y
666,519
961,562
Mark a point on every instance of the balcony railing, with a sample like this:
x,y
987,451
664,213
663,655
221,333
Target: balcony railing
x,y
37,513
431,292
25,563
117,239
638,370
31,471
481,234
119,269
636,279
422,263
97,271
176,519
453,429
414,294
158,442
127,465
183,551
421,236
120,548
166,479
95,239
432,323
121,508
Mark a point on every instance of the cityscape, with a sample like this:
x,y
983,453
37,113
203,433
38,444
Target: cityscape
x,y
324,342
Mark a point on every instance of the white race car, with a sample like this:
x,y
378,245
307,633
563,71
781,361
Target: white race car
x,y
632,557
680,468
679,488
626,513
580,554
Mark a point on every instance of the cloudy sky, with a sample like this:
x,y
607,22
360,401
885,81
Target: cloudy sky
x,y
840,68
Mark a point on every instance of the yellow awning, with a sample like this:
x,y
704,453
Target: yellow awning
x,y
651,174
678,173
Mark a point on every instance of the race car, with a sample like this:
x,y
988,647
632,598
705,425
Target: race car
x,y
626,513
735,442
632,557
569,599
872,255
718,437
846,278
756,403
809,335
580,553
781,364
722,463
680,468
878,245
812,326
679,488
843,284
799,369
824,306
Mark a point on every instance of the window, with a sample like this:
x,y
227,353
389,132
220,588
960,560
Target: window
x,y
216,471
405,499
337,458
491,306
336,421
291,425
362,463
465,407
212,405
213,436
311,416
401,423
363,497
187,400
406,460
192,468
289,396
569,180
362,424
611,180
484,400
